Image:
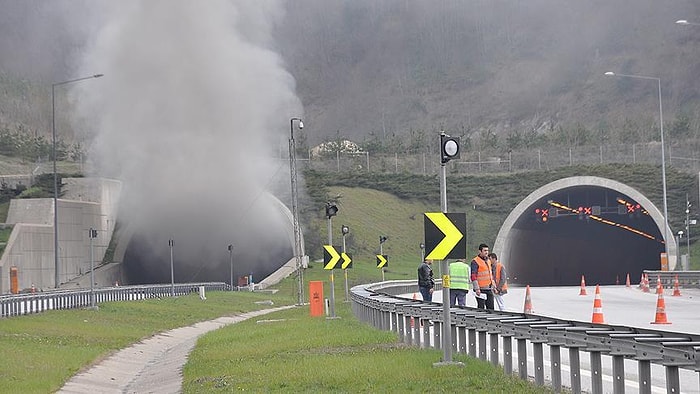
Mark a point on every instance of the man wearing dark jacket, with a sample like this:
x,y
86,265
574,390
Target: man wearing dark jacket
x,y
426,283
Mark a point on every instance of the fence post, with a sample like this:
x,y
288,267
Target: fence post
x,y
555,361
522,358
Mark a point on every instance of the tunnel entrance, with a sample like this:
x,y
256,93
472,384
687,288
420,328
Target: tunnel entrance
x,y
581,226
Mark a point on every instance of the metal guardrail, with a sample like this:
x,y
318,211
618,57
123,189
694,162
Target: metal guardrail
x,y
685,278
23,304
380,306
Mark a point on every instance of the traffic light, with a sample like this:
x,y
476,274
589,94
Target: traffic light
x,y
449,148
331,210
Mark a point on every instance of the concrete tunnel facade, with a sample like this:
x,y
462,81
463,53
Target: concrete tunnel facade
x,y
618,232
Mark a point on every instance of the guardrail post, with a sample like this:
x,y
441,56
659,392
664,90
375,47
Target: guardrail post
x,y
673,383
539,363
408,328
596,373
618,370
482,345
462,336
555,362
472,342
400,329
493,343
416,330
522,358
437,329
575,370
453,329
426,333
507,355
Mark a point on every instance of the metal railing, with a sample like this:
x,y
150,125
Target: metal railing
x,y
23,304
418,323
668,278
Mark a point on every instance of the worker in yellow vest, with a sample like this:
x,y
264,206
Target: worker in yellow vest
x,y
481,278
460,281
500,281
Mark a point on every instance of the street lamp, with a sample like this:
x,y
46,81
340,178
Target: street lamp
x,y
295,209
55,174
663,154
171,244
92,234
345,230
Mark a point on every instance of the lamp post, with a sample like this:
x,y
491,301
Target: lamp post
x,y
687,224
230,256
55,174
295,209
663,154
422,251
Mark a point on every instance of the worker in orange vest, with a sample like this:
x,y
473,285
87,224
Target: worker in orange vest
x,y
481,278
500,281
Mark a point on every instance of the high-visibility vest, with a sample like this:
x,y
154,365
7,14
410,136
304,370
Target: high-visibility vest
x,y
483,275
460,272
497,279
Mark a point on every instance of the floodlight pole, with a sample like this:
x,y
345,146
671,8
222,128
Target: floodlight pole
x,y
295,210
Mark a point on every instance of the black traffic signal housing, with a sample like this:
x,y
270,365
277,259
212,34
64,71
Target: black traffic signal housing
x,y
449,148
331,209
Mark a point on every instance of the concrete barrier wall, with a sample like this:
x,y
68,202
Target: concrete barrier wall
x,y
31,245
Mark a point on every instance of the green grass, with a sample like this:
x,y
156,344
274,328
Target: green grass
x,y
42,351
293,352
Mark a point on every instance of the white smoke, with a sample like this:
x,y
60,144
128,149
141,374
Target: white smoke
x,y
191,108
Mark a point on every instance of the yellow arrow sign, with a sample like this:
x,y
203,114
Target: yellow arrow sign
x,y
347,260
330,258
451,234
381,261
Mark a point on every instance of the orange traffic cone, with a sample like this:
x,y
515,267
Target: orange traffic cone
x,y
660,311
676,288
641,281
627,282
33,288
659,287
528,301
597,307
617,279
645,283
583,286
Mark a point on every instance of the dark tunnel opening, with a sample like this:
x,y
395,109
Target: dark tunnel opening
x,y
583,230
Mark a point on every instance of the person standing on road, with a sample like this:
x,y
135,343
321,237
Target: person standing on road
x,y
426,283
460,280
481,278
500,281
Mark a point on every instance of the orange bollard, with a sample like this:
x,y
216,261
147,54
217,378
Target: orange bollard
x,y
627,282
660,311
528,301
583,286
676,287
413,323
597,307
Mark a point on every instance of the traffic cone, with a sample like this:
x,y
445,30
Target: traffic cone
x,y
597,307
528,301
33,288
641,281
645,283
627,282
660,311
676,288
583,286
617,279
659,287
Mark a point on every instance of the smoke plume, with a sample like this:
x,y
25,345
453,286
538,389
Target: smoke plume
x,y
192,107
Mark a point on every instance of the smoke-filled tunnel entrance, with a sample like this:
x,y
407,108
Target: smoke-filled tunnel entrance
x,y
582,226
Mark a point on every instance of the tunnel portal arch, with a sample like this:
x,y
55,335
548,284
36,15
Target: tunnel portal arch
x,y
603,247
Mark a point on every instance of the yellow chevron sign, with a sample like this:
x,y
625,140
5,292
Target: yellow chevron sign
x,y
382,260
330,257
444,235
347,261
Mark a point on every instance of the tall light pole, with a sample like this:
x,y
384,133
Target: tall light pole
x,y
345,230
55,174
687,223
230,256
295,209
663,154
